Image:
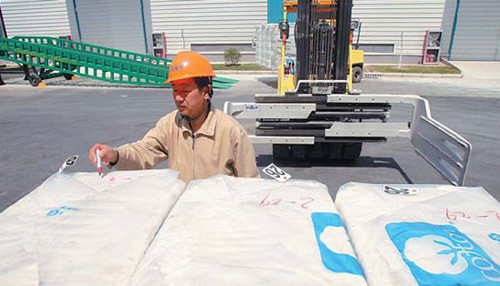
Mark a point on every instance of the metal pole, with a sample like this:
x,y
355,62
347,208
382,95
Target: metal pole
x,y
281,70
77,21
497,54
183,42
455,19
3,33
401,51
342,42
144,28
3,30
302,39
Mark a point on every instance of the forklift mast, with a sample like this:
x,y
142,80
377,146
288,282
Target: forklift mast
x,y
322,40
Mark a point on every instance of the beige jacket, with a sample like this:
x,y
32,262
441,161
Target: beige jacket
x,y
221,146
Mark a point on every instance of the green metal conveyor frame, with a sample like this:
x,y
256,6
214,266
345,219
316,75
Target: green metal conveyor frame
x,y
51,57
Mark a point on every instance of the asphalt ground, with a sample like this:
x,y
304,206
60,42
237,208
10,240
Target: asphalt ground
x,y
41,127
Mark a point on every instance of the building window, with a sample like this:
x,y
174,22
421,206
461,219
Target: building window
x,y
377,48
203,48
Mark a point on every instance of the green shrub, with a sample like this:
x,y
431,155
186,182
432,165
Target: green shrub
x,y
232,57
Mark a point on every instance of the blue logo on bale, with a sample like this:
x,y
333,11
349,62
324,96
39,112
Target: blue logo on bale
x,y
442,255
60,211
336,252
494,236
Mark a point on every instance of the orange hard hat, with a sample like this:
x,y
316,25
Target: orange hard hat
x,y
189,64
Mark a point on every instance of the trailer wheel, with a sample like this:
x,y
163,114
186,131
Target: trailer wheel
x,y
351,151
34,80
357,74
281,151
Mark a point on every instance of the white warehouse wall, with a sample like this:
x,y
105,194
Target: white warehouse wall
x,y
385,20
197,24
35,17
477,33
211,26
113,24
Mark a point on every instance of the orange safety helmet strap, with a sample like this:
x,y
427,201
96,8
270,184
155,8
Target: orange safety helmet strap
x,y
188,64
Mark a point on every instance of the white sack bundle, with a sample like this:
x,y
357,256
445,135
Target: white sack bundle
x,y
79,229
423,234
241,231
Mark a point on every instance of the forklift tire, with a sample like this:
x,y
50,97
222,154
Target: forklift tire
x,y
301,152
34,80
351,151
335,150
357,74
281,151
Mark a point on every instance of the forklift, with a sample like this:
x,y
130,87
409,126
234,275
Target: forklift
x,y
324,118
323,41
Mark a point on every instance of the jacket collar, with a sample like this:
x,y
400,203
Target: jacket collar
x,y
208,127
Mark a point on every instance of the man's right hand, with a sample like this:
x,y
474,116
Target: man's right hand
x,y
108,154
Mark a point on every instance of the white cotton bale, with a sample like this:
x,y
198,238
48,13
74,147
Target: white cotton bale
x,y
80,229
242,231
423,234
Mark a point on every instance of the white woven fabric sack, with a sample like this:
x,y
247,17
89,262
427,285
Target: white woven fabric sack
x,y
423,234
241,231
79,229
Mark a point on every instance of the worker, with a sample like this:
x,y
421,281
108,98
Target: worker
x,y
198,140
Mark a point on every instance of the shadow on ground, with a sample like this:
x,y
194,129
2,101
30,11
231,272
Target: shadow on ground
x,y
364,162
271,81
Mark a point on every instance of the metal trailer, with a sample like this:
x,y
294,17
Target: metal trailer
x,y
52,57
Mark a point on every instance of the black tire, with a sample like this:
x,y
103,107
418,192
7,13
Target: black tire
x,y
357,74
301,152
335,150
68,76
34,80
281,151
351,151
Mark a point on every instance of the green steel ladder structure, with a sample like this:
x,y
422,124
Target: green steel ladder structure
x,y
51,57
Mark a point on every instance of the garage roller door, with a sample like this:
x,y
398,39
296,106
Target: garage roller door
x,y
477,31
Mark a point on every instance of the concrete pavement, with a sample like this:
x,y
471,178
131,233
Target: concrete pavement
x,y
480,71
72,118
483,75
481,79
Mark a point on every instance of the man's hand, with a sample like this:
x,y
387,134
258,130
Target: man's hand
x,y
108,154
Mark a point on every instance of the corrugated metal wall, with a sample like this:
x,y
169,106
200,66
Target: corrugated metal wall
x,y
3,32
202,22
114,24
210,26
35,17
477,32
385,20
390,26
447,26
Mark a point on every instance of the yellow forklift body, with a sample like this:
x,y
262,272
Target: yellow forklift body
x,y
357,57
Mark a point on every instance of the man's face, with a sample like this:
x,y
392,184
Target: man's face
x,y
190,101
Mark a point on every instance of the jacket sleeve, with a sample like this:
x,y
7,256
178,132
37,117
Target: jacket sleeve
x,y
244,163
147,152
